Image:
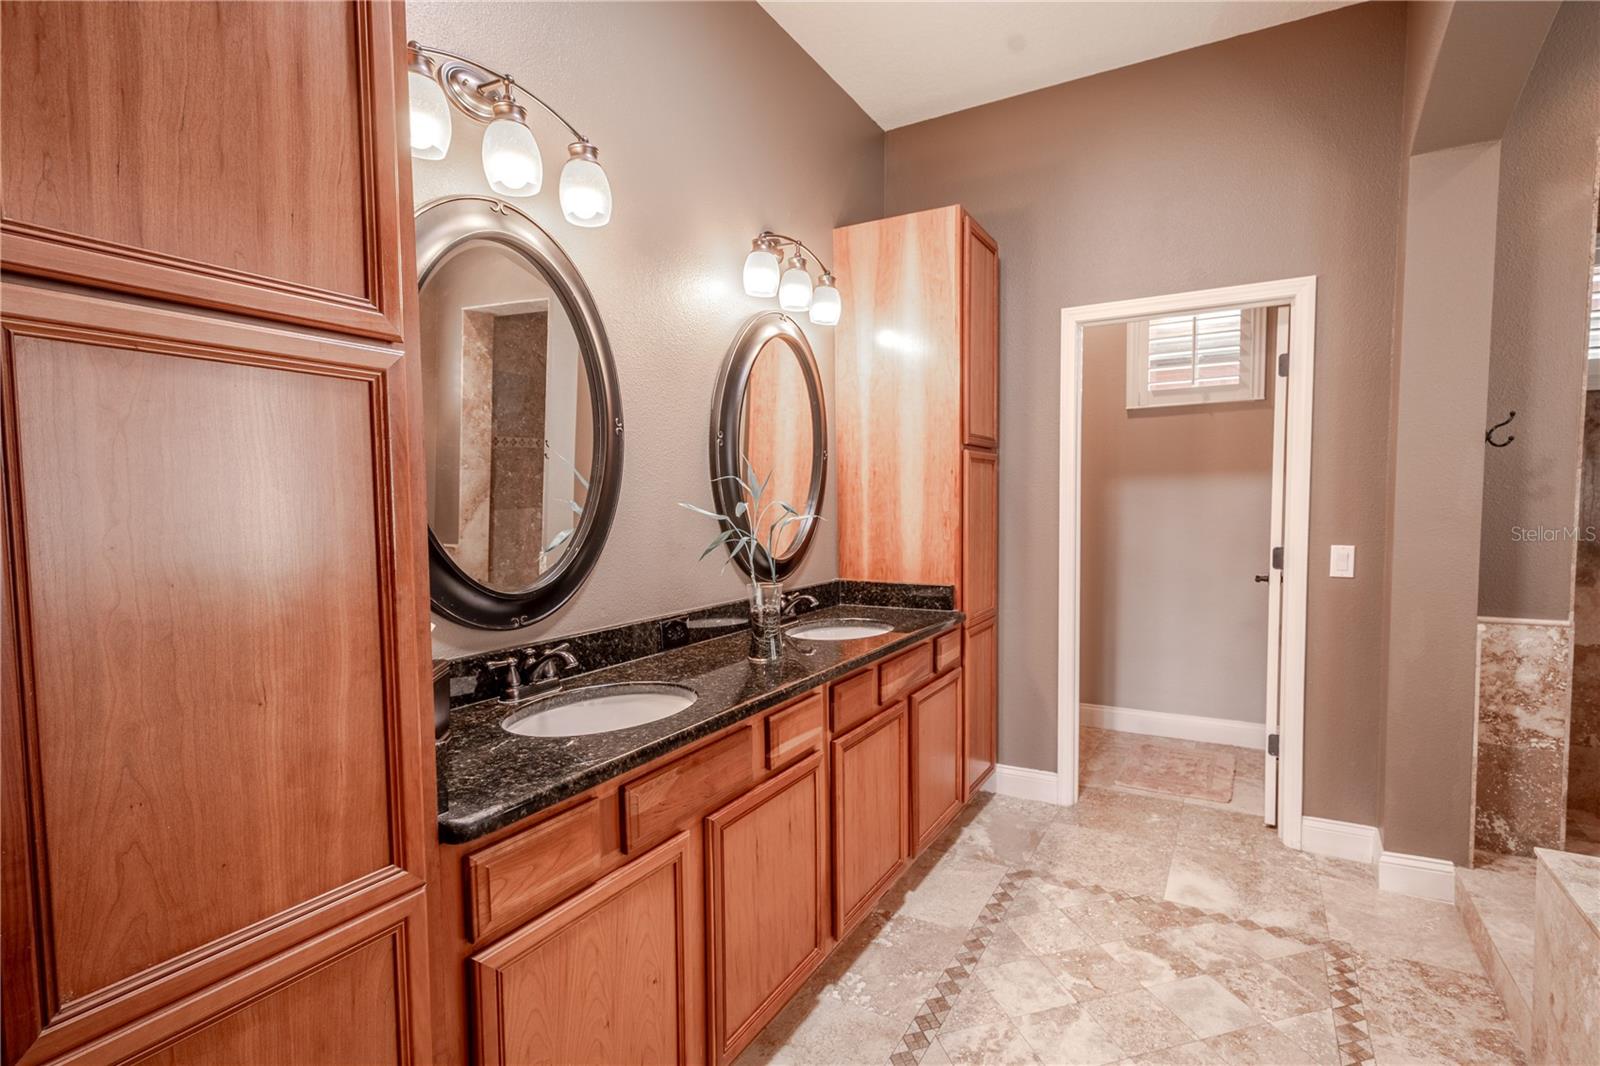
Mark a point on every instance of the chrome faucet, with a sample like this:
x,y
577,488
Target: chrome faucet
x,y
548,666
791,609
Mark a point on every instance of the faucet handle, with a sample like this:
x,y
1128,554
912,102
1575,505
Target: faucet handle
x,y
513,675
548,664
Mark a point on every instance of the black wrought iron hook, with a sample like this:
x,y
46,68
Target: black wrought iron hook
x,y
1489,436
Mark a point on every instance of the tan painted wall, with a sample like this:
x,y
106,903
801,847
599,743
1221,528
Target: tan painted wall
x,y
712,125
1176,511
1442,378
1540,323
1267,156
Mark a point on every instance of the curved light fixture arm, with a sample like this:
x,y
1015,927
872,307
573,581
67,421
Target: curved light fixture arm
x,y
490,84
781,239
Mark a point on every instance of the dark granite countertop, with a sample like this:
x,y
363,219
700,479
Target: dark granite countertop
x,y
492,778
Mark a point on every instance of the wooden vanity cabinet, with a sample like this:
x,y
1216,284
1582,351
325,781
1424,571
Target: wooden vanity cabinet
x,y
766,901
216,773
601,980
871,814
979,671
669,914
935,726
917,426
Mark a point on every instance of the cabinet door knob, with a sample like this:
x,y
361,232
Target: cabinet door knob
x,y
1262,577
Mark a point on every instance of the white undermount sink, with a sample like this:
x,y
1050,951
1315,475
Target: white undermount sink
x,y
839,629
597,709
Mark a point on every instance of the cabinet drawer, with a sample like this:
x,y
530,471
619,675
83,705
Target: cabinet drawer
x,y
855,699
796,729
946,650
655,805
905,672
522,874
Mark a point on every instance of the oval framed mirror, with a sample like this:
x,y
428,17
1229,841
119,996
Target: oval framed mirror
x,y
522,415
769,414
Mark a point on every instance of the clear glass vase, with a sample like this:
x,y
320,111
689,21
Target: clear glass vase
x,y
766,621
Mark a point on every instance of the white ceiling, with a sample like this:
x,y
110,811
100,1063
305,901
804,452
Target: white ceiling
x,y
908,61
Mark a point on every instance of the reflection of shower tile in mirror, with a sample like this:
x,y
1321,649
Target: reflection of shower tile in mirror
x,y
516,476
477,440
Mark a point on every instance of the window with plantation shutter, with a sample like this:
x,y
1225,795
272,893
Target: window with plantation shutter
x,y
1594,318
1207,357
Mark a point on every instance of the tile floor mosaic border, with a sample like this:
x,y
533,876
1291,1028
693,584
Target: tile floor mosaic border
x,y
948,988
1350,1029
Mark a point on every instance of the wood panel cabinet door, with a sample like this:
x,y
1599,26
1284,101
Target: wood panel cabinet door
x,y
213,631
980,337
936,757
766,901
897,398
981,677
233,156
601,979
871,815
980,534
345,1002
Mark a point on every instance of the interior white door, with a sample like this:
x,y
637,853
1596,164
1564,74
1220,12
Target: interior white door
x,y
1280,413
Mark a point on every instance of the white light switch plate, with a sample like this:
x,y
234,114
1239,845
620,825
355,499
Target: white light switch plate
x,y
1342,560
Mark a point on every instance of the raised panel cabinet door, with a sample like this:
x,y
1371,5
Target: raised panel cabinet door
x,y
346,1003
767,890
980,336
980,677
936,757
871,814
215,588
235,156
980,534
897,398
600,979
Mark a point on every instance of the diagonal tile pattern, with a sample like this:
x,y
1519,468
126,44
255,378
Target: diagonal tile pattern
x,y
1134,928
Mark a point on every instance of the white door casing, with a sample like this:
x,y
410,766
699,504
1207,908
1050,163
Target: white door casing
x,y
1290,585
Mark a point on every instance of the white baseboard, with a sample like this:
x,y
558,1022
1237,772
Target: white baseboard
x,y
1417,875
1340,840
1020,782
1177,726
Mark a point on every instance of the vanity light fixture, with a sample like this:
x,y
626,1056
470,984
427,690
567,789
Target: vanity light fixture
x,y
430,112
794,291
511,162
768,274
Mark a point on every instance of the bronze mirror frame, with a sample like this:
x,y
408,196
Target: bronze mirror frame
x,y
727,413
443,226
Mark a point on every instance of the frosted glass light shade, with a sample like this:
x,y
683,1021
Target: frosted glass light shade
x,y
761,270
430,116
825,303
511,160
585,191
794,291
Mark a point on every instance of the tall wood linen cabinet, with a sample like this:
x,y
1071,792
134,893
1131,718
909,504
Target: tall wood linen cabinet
x,y
214,764
916,403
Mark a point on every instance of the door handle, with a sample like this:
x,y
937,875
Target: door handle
x,y
1263,578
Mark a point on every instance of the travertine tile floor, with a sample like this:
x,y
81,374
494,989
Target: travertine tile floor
x,y
1138,928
